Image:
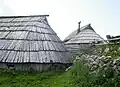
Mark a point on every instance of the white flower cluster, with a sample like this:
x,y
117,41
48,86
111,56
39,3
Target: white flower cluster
x,y
95,63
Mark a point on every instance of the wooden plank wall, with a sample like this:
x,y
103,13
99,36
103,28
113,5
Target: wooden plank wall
x,y
36,67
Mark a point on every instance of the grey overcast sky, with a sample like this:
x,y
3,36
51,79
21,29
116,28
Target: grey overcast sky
x,y
104,15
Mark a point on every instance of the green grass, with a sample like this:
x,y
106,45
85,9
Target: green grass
x,y
78,76
34,79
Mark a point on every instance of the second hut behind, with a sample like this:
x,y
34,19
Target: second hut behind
x,y
82,38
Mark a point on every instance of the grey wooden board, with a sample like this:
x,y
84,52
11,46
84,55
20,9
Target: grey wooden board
x,y
30,39
86,35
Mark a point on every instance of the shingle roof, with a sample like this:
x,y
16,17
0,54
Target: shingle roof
x,y
74,33
86,35
30,39
113,38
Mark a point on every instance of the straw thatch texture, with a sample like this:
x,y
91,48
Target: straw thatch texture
x,y
30,39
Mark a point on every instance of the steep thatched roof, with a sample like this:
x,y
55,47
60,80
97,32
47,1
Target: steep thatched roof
x,y
86,35
74,33
30,39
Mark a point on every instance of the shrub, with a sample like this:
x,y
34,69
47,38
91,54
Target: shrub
x,y
82,77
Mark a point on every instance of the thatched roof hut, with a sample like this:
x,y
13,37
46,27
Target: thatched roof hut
x,y
82,38
29,43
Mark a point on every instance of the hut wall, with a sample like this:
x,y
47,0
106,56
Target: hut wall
x,y
35,67
77,47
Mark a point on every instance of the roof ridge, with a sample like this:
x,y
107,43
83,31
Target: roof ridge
x,y
23,16
81,29
86,25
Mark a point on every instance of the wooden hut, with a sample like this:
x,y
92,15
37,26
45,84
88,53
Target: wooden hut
x,y
113,39
82,38
29,43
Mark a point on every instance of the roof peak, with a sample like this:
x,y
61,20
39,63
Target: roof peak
x,y
23,16
89,24
83,27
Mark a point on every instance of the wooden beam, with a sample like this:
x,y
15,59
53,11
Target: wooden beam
x,y
23,16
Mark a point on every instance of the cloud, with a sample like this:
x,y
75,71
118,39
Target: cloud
x,y
1,11
5,9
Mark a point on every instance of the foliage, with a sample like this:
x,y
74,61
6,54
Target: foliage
x,y
9,78
78,76
103,78
112,50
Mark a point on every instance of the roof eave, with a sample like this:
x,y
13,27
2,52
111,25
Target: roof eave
x,y
23,16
